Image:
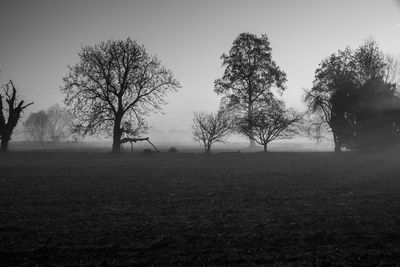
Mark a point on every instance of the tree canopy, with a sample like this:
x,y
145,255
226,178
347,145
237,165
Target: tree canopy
x,y
250,75
270,122
331,95
114,86
348,88
378,115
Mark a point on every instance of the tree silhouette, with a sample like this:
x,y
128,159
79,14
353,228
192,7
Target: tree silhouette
x,y
59,123
270,122
36,126
338,78
54,124
114,84
392,70
209,128
10,113
378,115
250,75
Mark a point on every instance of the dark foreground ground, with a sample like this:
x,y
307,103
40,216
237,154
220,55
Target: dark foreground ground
x,y
276,209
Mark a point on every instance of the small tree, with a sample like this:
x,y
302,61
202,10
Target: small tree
x,y
270,123
59,123
113,83
10,113
209,128
51,125
36,126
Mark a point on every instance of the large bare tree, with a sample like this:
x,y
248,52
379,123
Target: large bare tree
x,y
10,113
115,83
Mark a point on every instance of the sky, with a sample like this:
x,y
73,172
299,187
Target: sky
x,y
38,39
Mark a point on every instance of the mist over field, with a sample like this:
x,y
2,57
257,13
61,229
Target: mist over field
x,y
180,139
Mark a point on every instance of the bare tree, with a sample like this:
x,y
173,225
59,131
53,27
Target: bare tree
x,y
392,70
271,122
36,126
314,127
51,125
10,113
115,82
59,123
209,128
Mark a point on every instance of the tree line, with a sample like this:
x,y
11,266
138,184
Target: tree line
x,y
117,84
52,125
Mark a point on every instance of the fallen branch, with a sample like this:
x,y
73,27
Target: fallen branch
x,y
134,140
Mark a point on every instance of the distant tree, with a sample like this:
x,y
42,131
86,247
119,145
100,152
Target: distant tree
x,y
115,83
209,128
333,96
52,125
59,123
313,127
10,113
270,123
250,75
36,126
392,71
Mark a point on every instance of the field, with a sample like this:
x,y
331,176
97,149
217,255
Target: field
x,y
188,209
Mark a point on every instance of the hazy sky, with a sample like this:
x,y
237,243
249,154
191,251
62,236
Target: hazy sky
x,y
38,39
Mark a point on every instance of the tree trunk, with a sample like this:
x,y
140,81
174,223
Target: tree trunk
x,y
116,147
252,144
208,148
265,147
338,144
4,145
338,147
117,134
